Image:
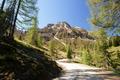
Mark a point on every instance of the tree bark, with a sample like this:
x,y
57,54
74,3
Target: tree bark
x,y
14,22
3,3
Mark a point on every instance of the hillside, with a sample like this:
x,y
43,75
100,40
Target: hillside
x,y
21,61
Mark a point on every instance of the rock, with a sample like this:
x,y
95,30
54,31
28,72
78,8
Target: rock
x,y
63,30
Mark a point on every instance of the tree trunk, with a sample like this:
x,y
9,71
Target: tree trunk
x,y
3,3
14,22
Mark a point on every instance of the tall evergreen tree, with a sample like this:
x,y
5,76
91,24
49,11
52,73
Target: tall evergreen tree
x,y
16,11
28,9
32,36
69,51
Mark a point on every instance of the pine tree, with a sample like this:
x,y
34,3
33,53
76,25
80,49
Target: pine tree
x,y
32,36
69,52
51,48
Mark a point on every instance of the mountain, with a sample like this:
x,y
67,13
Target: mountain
x,y
63,30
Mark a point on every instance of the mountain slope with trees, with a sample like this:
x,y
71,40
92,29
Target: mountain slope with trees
x,y
63,30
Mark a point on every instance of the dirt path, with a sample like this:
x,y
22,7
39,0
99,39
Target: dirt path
x,y
75,71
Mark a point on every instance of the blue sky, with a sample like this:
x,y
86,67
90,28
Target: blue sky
x,y
75,12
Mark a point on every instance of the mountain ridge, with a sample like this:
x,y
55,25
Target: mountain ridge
x,y
63,30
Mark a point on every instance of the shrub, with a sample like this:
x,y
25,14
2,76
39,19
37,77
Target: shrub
x,y
69,52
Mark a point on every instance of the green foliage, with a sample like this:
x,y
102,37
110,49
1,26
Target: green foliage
x,y
114,53
28,9
114,41
95,53
40,41
69,52
86,57
105,13
100,53
52,48
101,45
32,36
56,49
98,59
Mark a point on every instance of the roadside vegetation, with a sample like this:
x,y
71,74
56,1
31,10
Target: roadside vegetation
x,y
26,55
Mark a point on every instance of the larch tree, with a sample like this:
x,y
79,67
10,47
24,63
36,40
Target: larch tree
x,y
69,51
27,11
32,35
106,14
15,12
2,5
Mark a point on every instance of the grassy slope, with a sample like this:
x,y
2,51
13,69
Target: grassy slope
x,y
24,62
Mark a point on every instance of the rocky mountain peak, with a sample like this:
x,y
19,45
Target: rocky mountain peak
x,y
63,30
62,26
